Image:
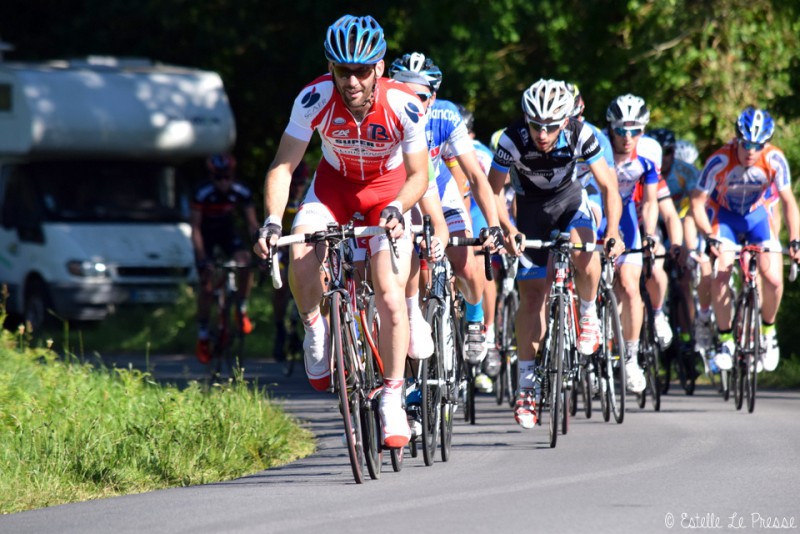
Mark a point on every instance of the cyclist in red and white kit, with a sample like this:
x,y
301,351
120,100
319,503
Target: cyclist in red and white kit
x,y
375,164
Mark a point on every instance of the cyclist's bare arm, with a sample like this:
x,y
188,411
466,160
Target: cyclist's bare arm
x,y
277,182
672,220
698,203
416,184
482,192
650,208
607,182
792,216
497,180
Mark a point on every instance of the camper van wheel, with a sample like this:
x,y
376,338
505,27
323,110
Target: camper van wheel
x,y
36,304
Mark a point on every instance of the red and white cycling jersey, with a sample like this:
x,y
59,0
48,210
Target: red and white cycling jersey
x,y
742,189
360,152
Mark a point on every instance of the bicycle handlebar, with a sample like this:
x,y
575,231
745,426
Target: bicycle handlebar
x,y
474,242
341,232
726,247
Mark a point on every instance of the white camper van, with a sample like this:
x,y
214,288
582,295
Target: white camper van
x,y
93,213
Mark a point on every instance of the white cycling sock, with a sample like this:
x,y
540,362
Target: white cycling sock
x,y
632,351
588,308
527,370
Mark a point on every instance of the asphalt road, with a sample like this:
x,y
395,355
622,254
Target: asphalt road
x,y
697,465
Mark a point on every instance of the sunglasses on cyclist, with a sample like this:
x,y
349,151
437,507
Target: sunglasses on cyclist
x,y
424,96
362,73
747,145
548,127
633,132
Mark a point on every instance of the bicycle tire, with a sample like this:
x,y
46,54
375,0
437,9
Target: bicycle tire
x,y
370,416
450,366
754,350
614,347
566,390
472,392
397,459
650,352
587,392
737,371
573,400
509,347
431,372
725,384
554,370
500,381
349,402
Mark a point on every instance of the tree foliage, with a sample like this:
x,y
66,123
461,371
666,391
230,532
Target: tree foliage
x,y
697,63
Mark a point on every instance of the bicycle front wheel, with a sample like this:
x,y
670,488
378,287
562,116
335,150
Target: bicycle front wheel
x,y
753,349
344,379
431,371
614,356
554,369
447,339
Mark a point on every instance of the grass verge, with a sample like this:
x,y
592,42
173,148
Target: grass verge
x,y
71,431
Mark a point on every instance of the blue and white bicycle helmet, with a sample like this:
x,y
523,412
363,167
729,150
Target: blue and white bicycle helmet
x,y
755,126
355,41
416,68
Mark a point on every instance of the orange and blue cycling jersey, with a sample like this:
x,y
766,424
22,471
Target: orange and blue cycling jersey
x,y
739,197
741,189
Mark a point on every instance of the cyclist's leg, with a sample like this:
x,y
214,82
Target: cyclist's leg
x,y
630,299
394,332
657,286
306,283
770,266
420,344
530,320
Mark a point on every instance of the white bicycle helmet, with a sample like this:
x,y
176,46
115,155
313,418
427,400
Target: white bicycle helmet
x,y
686,151
628,108
548,101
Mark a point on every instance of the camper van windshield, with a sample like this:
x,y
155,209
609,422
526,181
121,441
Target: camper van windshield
x,y
107,191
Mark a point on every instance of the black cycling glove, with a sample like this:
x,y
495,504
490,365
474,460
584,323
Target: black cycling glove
x,y
269,230
492,236
392,212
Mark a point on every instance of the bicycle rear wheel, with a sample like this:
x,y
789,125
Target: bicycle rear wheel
x,y
345,377
649,354
614,356
431,372
373,380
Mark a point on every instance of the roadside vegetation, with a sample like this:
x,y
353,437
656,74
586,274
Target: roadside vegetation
x,y
72,431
